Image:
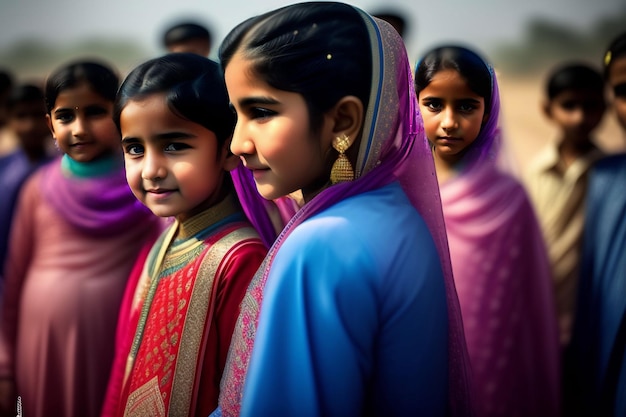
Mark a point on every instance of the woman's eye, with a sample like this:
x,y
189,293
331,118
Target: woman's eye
x,y
96,111
134,150
467,107
432,105
262,113
176,146
64,117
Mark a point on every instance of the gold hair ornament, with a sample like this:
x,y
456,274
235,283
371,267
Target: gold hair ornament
x,y
607,58
342,168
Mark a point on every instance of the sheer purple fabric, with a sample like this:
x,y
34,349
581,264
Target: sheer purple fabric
x,y
100,206
393,147
257,209
503,280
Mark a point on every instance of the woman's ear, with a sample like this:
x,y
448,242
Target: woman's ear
x,y
347,117
49,123
545,108
485,119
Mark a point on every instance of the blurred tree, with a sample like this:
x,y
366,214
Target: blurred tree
x,y
547,42
35,58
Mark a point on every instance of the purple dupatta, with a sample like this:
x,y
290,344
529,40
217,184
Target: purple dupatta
x,y
503,279
100,205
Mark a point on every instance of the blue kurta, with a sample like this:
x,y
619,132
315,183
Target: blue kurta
x,y
597,352
354,317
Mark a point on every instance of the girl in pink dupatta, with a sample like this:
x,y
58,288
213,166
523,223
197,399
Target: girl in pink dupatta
x,y
335,321
498,255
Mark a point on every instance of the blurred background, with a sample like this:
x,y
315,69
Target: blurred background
x,y
522,38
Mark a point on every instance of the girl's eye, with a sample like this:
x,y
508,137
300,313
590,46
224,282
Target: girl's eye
x,y
176,146
65,117
96,111
261,113
433,105
134,149
467,107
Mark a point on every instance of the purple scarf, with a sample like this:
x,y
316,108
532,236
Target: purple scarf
x,y
100,205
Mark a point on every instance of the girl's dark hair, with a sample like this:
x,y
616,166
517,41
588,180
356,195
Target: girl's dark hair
x,y
616,49
317,49
100,77
472,67
573,76
193,86
25,93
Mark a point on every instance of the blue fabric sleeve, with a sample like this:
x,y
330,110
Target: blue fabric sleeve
x,y
350,325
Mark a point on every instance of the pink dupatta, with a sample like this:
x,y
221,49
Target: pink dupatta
x,y
502,276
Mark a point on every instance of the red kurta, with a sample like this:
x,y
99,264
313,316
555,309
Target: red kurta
x,y
174,332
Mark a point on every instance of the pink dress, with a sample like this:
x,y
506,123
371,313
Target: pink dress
x,y
502,277
63,291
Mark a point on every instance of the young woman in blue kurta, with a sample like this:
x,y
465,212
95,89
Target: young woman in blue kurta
x,y
355,305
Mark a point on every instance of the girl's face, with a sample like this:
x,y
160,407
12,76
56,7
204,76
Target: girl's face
x,y
82,124
577,112
173,165
617,84
453,114
273,136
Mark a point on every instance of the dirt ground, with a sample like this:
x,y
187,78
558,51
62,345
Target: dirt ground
x,y
525,128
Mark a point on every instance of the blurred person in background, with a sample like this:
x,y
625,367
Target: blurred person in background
x,y
395,19
596,358
499,259
557,177
8,141
26,119
188,36
77,231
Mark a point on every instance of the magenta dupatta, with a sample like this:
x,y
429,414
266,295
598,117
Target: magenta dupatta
x,y
393,147
502,275
99,205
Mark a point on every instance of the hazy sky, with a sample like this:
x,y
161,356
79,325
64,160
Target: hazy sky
x,y
480,22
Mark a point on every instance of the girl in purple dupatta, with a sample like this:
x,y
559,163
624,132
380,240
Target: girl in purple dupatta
x,y
77,232
297,349
497,251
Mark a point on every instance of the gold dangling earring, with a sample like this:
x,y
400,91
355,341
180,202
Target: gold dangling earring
x,y
342,168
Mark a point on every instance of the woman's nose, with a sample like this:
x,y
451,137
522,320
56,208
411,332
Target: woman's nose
x,y
153,167
242,143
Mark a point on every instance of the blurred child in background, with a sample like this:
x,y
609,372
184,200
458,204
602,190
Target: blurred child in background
x,y
557,178
498,255
26,118
596,360
76,234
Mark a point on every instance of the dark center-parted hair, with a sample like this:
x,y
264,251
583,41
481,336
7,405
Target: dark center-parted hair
x,y
573,76
471,66
320,50
616,49
193,86
100,78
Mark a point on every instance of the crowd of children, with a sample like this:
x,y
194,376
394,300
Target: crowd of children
x,y
310,226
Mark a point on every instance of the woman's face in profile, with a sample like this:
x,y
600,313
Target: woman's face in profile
x,y
272,135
